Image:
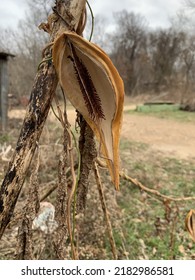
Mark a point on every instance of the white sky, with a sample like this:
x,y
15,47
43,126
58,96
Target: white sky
x,y
156,12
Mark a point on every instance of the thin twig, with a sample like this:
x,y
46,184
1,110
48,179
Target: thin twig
x,y
92,20
136,183
55,114
105,210
66,126
77,180
50,191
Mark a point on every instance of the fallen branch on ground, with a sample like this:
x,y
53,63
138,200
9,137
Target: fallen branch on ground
x,y
136,183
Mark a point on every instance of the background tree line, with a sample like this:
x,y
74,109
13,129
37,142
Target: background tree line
x,y
149,61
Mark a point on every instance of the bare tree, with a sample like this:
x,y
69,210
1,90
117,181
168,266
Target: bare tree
x,y
6,40
96,27
129,42
190,3
187,74
26,43
183,20
165,49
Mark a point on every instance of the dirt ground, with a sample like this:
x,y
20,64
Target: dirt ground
x,y
170,137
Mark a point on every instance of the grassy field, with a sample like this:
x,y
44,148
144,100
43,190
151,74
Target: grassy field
x,y
164,112
155,229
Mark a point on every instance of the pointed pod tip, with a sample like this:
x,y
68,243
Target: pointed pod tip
x,y
115,179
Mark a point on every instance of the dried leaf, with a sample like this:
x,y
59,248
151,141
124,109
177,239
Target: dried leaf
x,y
182,249
94,87
190,223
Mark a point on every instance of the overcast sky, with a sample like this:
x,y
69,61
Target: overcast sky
x,y
157,12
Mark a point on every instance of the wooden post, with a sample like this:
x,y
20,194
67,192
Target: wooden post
x,y
3,91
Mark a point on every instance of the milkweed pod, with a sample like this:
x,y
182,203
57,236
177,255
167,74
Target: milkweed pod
x,y
190,223
94,87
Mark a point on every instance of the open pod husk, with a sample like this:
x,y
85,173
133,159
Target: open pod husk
x,y
94,87
190,223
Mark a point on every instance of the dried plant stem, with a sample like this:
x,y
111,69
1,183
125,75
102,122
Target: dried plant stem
x,y
50,191
24,244
88,153
61,201
77,181
66,126
136,183
105,210
92,20
173,235
40,101
69,202
60,213
17,216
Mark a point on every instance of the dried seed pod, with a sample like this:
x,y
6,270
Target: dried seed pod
x,y
95,88
190,223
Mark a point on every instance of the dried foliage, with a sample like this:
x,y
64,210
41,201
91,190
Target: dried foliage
x,y
71,194
90,228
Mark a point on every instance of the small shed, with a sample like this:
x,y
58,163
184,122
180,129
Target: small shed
x,y
4,88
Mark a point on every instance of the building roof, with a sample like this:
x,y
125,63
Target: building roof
x,y
5,55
